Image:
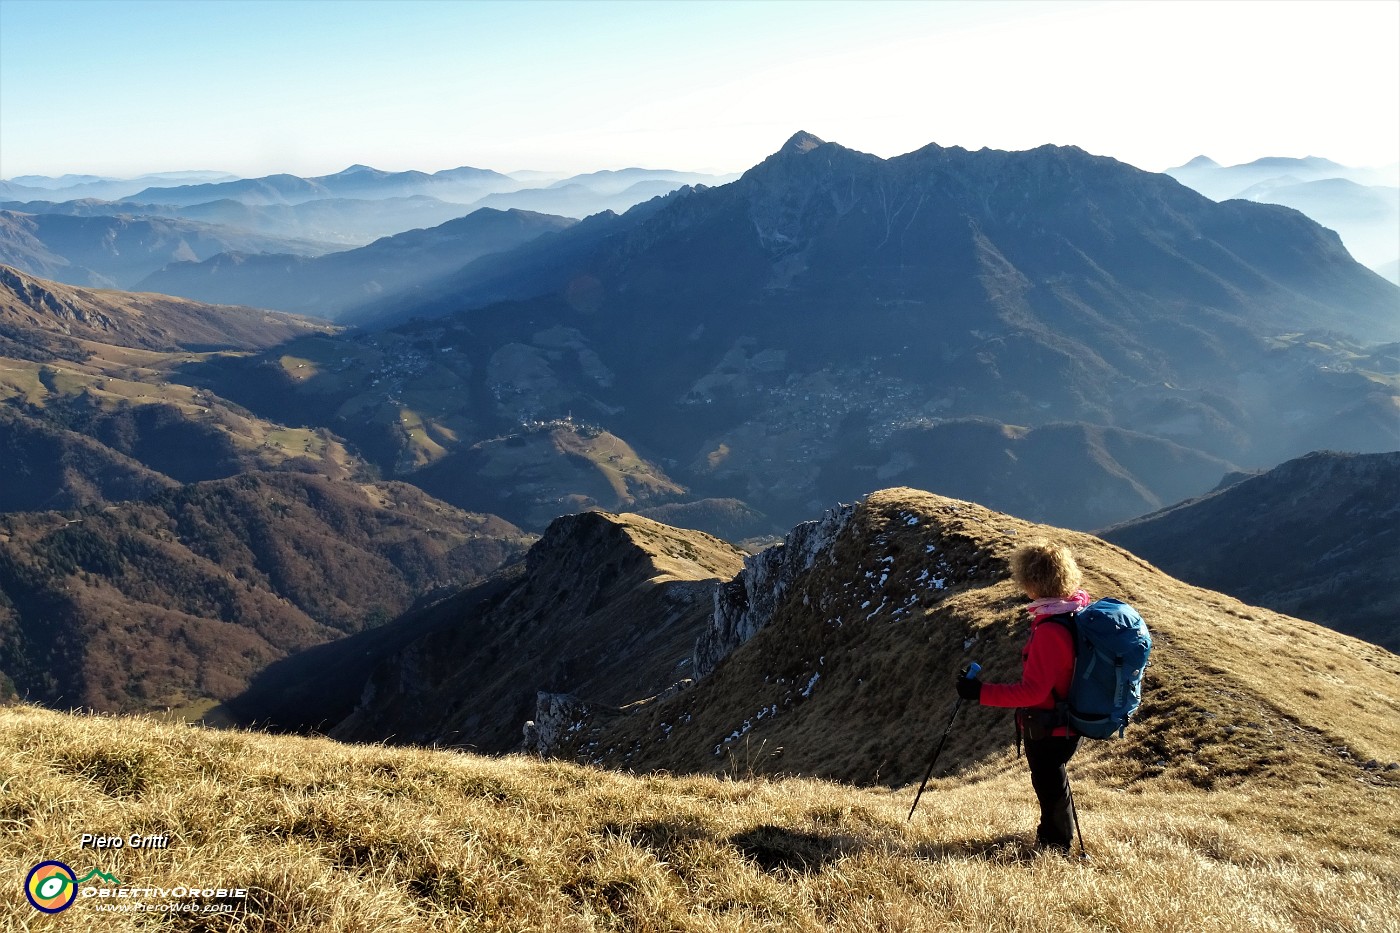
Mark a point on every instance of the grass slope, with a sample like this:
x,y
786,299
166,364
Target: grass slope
x,y
329,837
864,640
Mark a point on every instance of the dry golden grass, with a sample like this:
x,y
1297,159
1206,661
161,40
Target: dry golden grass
x,y
362,838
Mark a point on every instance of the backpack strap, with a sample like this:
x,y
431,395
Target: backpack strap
x,y
1067,620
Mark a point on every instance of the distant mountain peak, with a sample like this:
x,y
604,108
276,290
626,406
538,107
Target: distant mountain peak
x,y
1310,162
1202,161
801,142
354,170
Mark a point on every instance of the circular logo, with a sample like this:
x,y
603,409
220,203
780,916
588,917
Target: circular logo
x,y
51,887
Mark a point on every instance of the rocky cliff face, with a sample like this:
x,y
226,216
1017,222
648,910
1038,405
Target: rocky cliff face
x,y
744,605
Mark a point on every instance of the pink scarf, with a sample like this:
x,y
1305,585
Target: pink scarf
x,y
1058,605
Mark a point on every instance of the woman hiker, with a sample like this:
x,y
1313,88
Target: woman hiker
x,y
1048,574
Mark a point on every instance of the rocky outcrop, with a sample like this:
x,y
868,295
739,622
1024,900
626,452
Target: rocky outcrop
x,y
849,673
746,604
556,715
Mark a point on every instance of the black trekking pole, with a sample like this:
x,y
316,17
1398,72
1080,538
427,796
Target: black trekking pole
x,y
1083,852
969,672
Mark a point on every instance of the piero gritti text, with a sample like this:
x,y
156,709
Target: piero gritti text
x,y
133,841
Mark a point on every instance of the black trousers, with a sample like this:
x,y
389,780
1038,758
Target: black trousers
x,y
1047,758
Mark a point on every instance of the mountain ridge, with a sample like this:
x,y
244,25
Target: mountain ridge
x,y
634,592
1313,538
115,251
903,589
816,656
145,321
326,285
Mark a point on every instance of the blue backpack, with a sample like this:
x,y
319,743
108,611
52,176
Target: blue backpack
x,y
1111,648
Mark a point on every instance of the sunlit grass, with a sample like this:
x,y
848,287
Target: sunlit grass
x,y
335,837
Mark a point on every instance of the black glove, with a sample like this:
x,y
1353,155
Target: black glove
x,y
970,688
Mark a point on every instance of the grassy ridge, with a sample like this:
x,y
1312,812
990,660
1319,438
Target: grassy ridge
x,y
337,837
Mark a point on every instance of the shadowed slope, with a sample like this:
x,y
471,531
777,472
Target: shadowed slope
x,y
1315,537
184,597
607,607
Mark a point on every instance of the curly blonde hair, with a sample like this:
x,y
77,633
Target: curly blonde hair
x,y
1045,569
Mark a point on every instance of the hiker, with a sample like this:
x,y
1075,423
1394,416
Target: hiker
x,y
1048,574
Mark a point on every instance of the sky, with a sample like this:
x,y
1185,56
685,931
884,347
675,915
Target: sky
x,y
254,87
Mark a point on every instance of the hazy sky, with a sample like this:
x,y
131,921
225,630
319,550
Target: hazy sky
x,y
117,87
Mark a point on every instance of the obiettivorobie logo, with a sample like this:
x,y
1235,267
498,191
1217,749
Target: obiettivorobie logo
x,y
53,886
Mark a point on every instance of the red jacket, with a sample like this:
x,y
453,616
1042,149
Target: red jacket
x,y
1047,667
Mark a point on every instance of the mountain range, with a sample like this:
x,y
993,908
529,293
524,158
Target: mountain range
x,y
629,504
181,598
1222,182
146,322
349,208
1054,335
90,416
833,321
463,185
328,285
161,545
1362,205
337,222
119,251
70,187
